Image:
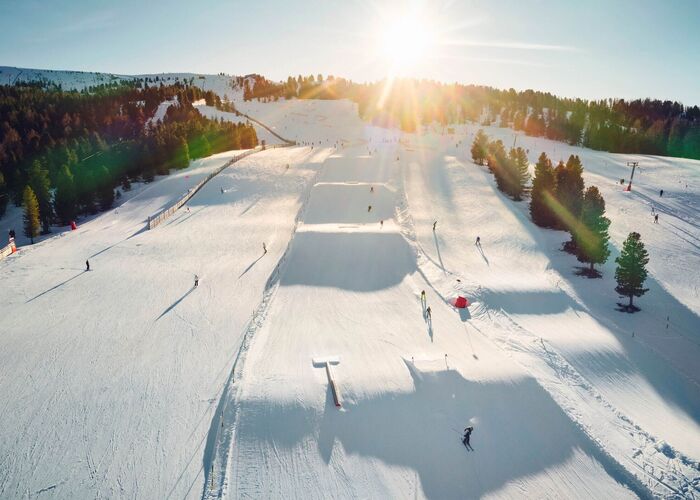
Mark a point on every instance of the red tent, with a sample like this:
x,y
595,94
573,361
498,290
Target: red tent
x,y
461,302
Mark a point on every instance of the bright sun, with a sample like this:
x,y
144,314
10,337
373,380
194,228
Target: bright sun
x,y
405,43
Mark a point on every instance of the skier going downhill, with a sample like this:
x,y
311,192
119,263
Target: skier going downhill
x,y
429,314
478,241
656,219
264,248
434,225
369,208
87,265
196,281
467,436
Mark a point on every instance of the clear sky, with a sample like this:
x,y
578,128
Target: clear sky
x,y
586,48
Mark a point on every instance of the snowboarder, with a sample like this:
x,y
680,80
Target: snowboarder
x,y
467,436
264,248
87,265
478,241
369,208
661,193
196,281
434,225
656,219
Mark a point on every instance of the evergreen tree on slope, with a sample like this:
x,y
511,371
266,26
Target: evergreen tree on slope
x,y
631,270
591,236
31,214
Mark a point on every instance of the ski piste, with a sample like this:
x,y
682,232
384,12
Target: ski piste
x,y
540,355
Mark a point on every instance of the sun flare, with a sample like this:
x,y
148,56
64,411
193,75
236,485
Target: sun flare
x,y
405,43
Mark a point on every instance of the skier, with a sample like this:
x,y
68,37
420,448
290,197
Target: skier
x,y
434,225
264,248
381,224
478,241
429,314
196,281
422,296
656,219
467,436
87,265
369,208
661,193
222,190
371,189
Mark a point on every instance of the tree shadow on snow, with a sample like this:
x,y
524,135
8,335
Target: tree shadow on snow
x,y
599,300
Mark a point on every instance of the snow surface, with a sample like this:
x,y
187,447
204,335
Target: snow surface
x,y
125,381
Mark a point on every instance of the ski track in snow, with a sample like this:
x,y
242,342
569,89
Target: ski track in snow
x,y
225,421
661,472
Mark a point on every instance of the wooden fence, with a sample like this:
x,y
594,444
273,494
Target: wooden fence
x,y
155,220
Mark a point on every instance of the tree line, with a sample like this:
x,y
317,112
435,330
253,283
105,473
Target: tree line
x,y
72,149
645,126
560,200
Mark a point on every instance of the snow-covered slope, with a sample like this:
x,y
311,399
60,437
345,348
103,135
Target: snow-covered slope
x,y
109,378
221,84
127,382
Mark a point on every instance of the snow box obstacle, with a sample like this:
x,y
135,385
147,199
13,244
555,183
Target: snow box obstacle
x,y
326,363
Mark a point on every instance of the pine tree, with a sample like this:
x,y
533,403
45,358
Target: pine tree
x,y
105,188
4,195
31,214
40,184
591,236
497,161
182,154
64,198
569,195
518,172
480,147
543,191
631,269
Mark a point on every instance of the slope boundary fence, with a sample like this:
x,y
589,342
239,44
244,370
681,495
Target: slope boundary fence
x,y
286,141
155,220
